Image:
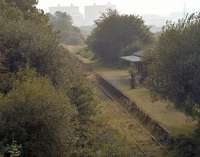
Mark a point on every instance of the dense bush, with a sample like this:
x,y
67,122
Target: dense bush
x,y
39,117
67,33
24,5
174,72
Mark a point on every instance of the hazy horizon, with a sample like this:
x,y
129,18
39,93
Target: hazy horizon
x,y
156,7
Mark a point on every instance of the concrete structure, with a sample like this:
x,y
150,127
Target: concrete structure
x,y
93,12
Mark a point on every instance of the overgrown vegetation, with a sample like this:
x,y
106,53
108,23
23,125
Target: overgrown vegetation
x,y
46,103
175,68
39,117
67,33
174,71
173,61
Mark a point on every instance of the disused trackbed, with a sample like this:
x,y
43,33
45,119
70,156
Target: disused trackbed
x,y
140,145
148,147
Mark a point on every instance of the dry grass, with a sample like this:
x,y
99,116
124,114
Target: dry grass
x,y
162,111
118,118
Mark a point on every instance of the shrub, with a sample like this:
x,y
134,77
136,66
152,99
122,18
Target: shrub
x,y
39,117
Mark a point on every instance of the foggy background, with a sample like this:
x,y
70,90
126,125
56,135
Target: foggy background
x,y
154,12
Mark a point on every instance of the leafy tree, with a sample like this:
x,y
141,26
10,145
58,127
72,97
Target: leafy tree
x,y
67,33
29,42
61,21
43,122
25,5
174,72
114,32
13,150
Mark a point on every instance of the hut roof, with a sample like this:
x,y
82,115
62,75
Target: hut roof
x,y
132,59
136,57
139,53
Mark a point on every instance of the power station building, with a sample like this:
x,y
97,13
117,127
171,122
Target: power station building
x,y
91,13
71,10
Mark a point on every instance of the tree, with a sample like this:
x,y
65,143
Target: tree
x,y
61,21
24,5
63,25
13,150
29,41
43,122
174,72
114,32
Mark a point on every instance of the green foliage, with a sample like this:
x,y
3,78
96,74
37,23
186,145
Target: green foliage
x,y
86,53
26,41
174,72
67,33
105,142
30,42
109,143
185,147
48,110
39,117
81,95
14,149
115,32
24,5
61,21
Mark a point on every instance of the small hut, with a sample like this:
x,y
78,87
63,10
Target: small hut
x,y
137,63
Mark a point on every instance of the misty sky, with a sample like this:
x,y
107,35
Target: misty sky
x,y
159,7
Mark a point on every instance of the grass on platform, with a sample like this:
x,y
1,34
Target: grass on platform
x,y
162,111
118,118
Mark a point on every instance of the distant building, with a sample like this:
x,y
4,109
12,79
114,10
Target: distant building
x,y
93,12
72,10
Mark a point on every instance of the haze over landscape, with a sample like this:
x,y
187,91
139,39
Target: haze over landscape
x,y
132,6
99,78
154,12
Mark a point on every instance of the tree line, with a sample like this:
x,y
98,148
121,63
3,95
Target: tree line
x,y
174,73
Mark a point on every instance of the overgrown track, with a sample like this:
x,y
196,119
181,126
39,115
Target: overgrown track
x,y
145,143
162,135
150,140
